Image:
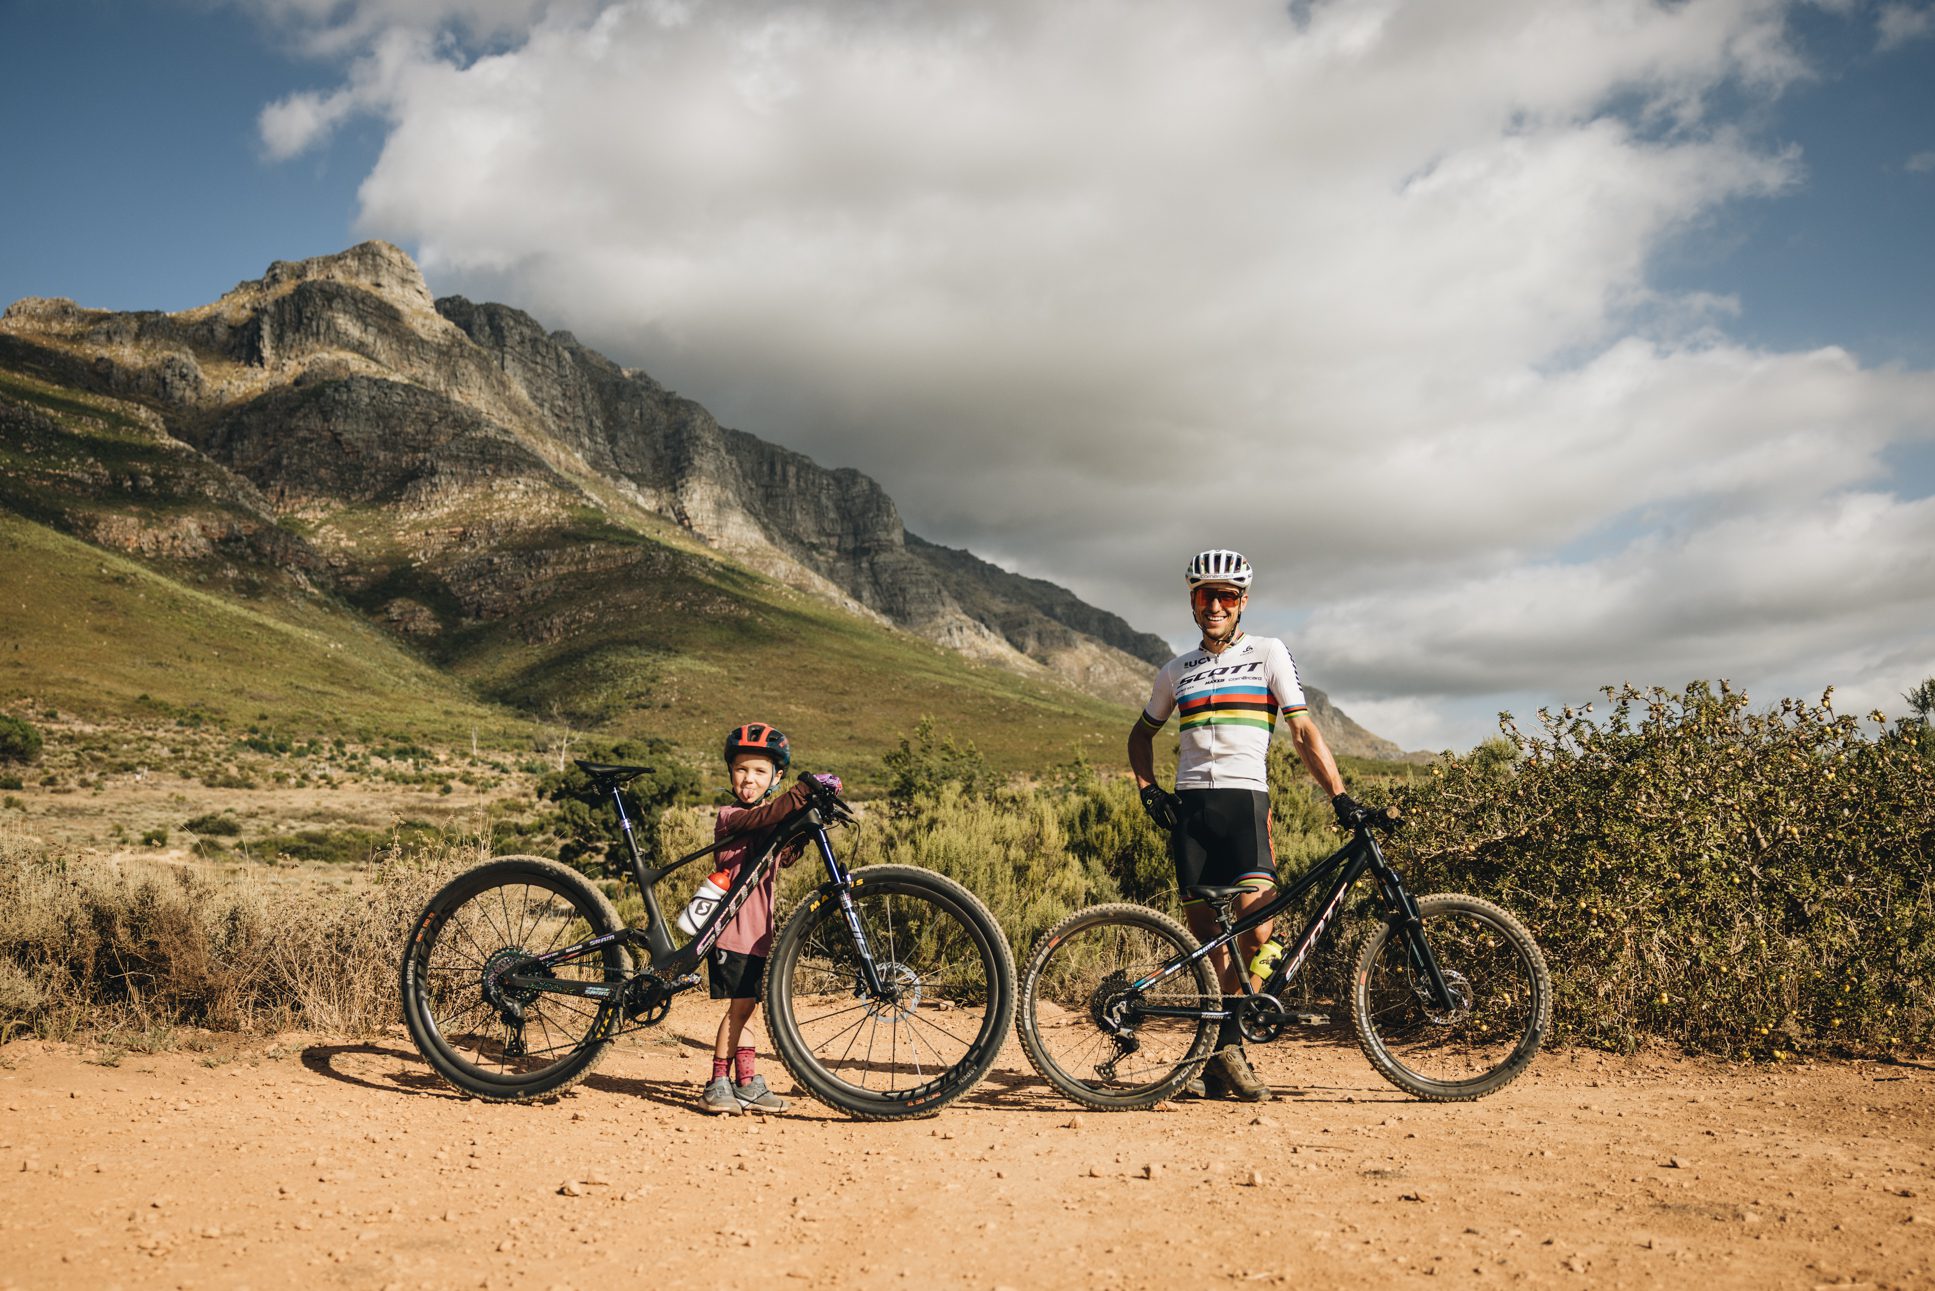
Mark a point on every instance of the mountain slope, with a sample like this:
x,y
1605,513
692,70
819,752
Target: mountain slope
x,y
141,577
555,533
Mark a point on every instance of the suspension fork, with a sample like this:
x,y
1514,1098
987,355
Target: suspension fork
x,y
1401,911
842,886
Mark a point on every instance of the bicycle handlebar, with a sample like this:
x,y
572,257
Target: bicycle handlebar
x,y
1380,818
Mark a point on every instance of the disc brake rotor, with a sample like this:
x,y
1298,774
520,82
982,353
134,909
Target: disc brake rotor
x,y
903,993
1458,987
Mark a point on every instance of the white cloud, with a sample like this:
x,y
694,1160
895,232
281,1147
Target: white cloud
x,y
346,27
1092,285
293,124
1922,163
1901,24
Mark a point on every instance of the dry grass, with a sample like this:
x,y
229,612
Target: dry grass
x,y
120,951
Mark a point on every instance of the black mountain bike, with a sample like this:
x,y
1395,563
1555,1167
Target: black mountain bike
x,y
1449,997
888,991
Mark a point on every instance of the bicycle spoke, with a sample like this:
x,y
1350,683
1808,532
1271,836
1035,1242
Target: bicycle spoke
x,y
881,1046
1081,1024
482,1028
1478,1038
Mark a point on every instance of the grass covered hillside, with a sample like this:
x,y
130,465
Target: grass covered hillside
x,y
98,633
139,575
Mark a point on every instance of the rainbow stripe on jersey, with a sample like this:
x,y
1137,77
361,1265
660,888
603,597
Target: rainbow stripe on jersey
x,y
1229,704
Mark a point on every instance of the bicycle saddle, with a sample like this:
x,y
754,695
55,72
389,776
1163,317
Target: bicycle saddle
x,y
1216,896
609,773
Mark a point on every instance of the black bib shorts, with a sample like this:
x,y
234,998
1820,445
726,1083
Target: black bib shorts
x,y
1222,839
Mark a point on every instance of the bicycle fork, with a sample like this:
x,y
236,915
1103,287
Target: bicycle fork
x,y
870,982
1407,922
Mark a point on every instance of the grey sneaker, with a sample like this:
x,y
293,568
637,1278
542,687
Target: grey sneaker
x,y
754,1096
718,1097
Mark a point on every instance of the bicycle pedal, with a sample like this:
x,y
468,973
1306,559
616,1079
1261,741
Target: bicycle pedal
x,y
684,983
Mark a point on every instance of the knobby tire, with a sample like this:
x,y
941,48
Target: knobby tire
x,y
1492,1034
1082,967
937,946
491,915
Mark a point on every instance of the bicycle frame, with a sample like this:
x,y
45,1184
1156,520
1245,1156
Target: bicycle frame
x,y
1348,864
664,958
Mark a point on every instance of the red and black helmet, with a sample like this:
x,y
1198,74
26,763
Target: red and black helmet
x,y
757,737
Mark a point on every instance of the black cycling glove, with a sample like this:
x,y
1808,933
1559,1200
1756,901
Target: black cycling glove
x,y
1348,812
1161,806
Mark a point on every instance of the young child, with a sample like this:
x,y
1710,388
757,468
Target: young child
x,y
756,758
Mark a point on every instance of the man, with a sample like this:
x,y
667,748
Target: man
x,y
1229,691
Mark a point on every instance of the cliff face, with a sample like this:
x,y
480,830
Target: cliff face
x,y
446,464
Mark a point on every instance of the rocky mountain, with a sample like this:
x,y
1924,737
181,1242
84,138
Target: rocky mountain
x,y
499,495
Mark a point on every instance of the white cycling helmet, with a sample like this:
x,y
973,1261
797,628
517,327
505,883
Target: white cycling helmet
x,y
1220,565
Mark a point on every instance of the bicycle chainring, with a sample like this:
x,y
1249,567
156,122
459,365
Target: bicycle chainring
x,y
1261,1017
647,999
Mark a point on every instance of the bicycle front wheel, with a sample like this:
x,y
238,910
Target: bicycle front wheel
x,y
482,1034
1498,1014
1081,1023
949,999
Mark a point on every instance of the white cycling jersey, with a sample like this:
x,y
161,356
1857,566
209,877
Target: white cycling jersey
x,y
1229,704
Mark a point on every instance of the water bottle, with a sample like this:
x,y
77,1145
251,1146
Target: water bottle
x,y
699,908
1266,959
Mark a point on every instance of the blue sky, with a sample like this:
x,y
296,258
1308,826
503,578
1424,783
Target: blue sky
x,y
1538,345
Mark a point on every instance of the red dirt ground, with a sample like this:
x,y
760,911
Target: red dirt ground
x,y
343,1164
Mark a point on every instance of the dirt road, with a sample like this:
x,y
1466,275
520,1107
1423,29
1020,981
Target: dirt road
x,y
334,1164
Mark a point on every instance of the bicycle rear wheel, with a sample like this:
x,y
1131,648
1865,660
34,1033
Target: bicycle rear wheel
x,y
1501,1001
488,1038
950,975
1078,1022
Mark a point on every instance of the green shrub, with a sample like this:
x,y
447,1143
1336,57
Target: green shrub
x,y
1739,881
346,846
154,838
583,819
12,782
920,768
214,824
19,741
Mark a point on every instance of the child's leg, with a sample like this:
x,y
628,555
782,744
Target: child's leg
x,y
731,1027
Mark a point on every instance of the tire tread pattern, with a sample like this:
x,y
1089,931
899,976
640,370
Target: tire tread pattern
x,y
560,1076
1114,912
1506,1072
792,1051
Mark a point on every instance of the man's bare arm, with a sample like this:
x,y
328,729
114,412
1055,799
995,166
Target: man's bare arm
x,y
1315,755
1142,755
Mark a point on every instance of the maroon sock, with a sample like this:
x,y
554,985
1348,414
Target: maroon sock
x,y
743,1060
720,1067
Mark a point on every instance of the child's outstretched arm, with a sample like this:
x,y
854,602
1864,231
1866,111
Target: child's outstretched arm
x,y
740,820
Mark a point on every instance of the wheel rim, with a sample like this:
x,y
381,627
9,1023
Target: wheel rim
x,y
1494,992
942,1008
1081,991
492,1031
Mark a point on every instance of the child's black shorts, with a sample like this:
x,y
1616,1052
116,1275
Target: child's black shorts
x,y
735,976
